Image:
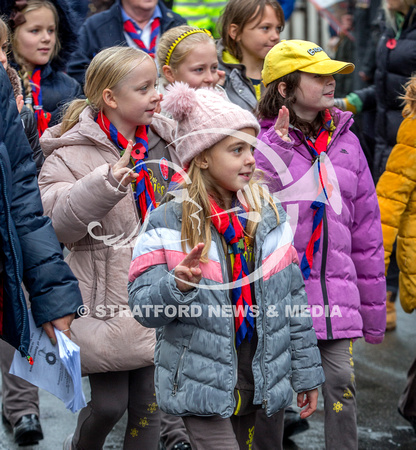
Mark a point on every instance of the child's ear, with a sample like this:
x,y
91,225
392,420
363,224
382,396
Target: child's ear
x,y
282,89
201,161
109,98
233,31
168,73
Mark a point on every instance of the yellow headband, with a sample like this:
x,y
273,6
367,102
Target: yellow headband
x,y
180,38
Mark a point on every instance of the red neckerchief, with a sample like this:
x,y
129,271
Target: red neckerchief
x,y
233,232
42,117
131,29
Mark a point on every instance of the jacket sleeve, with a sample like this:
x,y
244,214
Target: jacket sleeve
x,y
32,135
307,372
395,187
152,288
74,204
367,254
52,287
368,97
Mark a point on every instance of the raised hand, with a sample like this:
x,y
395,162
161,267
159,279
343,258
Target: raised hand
x,y
188,269
123,174
158,108
221,77
282,124
19,102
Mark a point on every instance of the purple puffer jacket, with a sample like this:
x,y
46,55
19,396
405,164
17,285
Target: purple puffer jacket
x,y
346,283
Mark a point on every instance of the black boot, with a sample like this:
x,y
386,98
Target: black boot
x,y
27,430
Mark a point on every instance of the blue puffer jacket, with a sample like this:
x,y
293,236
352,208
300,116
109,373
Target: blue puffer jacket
x,y
105,30
195,355
30,250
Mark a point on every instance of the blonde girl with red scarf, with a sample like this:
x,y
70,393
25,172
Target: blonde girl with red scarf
x,y
96,188
213,272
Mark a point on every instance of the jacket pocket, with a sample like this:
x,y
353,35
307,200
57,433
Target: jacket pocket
x,y
178,371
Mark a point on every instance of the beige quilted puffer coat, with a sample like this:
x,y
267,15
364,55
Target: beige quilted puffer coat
x,y
98,223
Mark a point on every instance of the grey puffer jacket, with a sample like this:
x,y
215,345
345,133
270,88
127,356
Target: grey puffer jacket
x,y
195,355
237,86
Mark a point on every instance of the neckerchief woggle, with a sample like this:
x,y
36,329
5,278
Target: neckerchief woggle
x,y
42,117
143,189
232,228
316,148
132,29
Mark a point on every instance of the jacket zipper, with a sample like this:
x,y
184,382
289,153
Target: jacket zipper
x,y
223,262
22,349
322,277
178,370
325,256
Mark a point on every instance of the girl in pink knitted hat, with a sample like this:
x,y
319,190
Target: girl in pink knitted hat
x,y
215,272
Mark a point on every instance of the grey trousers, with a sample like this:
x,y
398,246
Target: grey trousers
x,y
340,406
19,396
172,430
112,393
253,431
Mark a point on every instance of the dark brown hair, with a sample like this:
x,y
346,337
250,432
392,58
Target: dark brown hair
x,y
240,13
272,101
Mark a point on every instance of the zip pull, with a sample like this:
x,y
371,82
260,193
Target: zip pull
x,y
26,354
175,389
264,404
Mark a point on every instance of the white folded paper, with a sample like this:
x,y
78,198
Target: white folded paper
x,y
57,369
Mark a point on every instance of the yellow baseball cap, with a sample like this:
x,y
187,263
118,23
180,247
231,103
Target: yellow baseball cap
x,y
288,56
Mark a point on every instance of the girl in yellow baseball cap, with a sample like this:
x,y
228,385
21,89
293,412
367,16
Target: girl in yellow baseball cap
x,y
338,232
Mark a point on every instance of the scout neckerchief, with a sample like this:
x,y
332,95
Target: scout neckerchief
x,y
316,148
42,117
143,189
233,231
135,33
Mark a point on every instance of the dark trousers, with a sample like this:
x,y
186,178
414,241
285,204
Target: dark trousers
x,y
112,393
253,431
407,401
19,396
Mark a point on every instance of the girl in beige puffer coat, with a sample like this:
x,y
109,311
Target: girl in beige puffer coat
x,y
85,185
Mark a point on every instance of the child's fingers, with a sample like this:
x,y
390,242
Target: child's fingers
x,y
125,159
193,257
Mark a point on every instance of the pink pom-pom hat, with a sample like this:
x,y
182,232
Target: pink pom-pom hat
x,y
204,117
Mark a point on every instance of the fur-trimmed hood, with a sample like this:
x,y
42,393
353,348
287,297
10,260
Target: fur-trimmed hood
x,y
68,23
14,80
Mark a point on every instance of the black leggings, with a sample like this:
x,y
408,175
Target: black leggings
x,y
112,393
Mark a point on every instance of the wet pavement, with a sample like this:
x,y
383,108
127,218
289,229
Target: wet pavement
x,y
380,376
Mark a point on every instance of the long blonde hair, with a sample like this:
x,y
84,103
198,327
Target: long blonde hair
x,y
197,226
107,70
